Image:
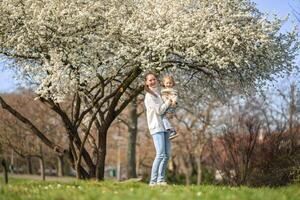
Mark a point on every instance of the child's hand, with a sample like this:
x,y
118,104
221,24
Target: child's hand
x,y
170,115
174,101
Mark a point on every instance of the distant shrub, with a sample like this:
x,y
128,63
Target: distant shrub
x,y
281,169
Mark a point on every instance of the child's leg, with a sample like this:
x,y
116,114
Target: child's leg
x,y
169,128
166,123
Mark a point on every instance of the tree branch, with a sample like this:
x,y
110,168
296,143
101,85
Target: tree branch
x,y
31,126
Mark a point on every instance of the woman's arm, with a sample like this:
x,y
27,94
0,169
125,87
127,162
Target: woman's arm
x,y
153,103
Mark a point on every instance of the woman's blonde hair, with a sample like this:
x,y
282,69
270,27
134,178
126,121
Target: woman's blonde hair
x,y
146,88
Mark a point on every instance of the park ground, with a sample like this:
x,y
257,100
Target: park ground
x,y
67,189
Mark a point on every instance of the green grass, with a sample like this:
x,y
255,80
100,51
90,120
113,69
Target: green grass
x,y
27,189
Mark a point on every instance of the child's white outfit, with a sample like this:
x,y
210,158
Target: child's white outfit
x,y
169,93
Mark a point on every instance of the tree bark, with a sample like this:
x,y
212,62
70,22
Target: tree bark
x,y
60,165
100,166
29,165
72,158
12,162
199,170
118,162
292,112
42,168
4,165
131,150
42,163
187,178
187,170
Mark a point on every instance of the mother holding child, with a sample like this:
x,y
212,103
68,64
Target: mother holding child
x,y
160,107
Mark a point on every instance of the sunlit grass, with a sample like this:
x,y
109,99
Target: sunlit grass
x,y
110,190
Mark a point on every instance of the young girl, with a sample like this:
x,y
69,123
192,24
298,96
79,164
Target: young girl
x,y
169,93
155,109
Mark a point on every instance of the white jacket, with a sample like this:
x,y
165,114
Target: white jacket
x,y
155,108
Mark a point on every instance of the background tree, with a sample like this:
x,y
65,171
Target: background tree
x,y
130,119
257,145
195,116
19,138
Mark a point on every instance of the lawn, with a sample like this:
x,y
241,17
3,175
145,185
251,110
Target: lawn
x,y
110,190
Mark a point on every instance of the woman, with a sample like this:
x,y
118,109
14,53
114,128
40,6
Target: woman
x,y
155,108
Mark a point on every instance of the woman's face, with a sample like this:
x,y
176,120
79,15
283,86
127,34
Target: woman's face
x,y
151,81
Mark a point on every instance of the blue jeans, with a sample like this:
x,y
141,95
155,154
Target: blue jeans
x,y
167,123
162,148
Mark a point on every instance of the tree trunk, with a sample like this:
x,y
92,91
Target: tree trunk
x,y
29,165
12,162
292,112
199,170
42,168
74,148
42,163
131,150
119,162
81,172
187,178
172,168
78,166
100,166
4,165
137,168
172,173
187,168
78,173
60,165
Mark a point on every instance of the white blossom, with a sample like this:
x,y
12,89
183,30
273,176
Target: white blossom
x,y
67,43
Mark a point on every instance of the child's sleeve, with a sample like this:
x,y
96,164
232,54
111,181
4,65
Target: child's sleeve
x,y
165,96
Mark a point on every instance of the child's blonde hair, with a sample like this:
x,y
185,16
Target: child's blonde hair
x,y
168,77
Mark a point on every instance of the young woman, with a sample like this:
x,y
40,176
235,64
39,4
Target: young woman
x,y
155,109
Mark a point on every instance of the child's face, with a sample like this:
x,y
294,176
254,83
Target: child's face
x,y
168,83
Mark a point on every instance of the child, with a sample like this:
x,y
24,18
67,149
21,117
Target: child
x,y
169,93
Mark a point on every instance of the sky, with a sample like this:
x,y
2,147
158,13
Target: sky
x,y
280,7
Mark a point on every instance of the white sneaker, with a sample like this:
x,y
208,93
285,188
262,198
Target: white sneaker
x,y
173,135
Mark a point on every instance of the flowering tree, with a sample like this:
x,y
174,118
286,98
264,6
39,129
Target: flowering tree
x,y
94,52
